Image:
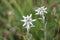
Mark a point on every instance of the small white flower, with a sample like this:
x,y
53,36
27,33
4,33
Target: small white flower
x,y
41,11
28,20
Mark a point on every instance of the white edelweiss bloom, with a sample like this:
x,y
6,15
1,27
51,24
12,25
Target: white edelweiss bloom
x,y
28,20
41,10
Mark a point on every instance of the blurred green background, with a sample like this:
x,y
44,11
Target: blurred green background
x,y
11,27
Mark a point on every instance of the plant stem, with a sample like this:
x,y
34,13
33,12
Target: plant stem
x,y
28,31
44,24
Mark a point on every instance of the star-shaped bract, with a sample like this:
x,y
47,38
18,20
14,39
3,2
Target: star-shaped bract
x,y
41,10
28,21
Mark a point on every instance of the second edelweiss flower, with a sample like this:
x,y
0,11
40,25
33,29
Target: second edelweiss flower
x,y
41,10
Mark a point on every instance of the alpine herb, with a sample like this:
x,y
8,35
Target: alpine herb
x,y
28,23
41,11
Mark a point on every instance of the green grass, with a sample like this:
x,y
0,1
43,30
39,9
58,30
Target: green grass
x,y
25,7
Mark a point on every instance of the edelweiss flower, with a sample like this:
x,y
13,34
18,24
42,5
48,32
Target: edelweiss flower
x,y
28,20
41,11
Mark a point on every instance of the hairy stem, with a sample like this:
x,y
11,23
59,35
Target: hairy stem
x,y
44,24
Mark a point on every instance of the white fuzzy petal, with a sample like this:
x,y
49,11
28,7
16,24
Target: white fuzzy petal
x,y
24,24
36,10
40,18
42,6
24,17
46,8
45,11
31,23
37,14
23,20
30,15
34,20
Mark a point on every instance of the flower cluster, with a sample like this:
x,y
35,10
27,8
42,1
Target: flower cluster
x,y
28,19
